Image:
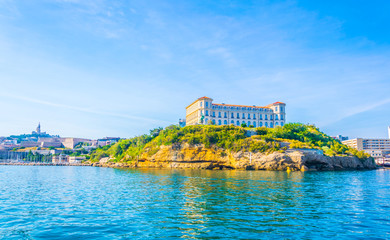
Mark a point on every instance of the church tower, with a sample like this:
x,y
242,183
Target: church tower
x,y
39,129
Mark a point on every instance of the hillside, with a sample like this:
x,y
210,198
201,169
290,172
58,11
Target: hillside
x,y
210,143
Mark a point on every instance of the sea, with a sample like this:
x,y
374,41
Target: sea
x,y
70,202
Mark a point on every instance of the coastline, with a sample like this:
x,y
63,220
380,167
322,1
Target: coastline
x,y
45,164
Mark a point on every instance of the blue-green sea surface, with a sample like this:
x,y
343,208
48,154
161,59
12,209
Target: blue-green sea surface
x,y
46,202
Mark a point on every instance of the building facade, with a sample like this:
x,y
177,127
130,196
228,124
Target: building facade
x,y
377,148
204,111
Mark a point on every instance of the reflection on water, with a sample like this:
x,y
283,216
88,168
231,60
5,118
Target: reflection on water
x,y
100,203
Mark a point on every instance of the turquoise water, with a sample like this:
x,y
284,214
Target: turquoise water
x,y
38,202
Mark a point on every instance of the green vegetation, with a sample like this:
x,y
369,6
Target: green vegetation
x,y
231,138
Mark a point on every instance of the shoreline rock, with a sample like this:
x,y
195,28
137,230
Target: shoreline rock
x,y
199,157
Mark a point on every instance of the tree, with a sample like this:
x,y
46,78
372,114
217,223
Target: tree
x,y
243,125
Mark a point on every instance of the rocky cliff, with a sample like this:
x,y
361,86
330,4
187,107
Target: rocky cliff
x,y
199,157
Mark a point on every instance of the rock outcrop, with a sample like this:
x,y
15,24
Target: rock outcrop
x,y
199,157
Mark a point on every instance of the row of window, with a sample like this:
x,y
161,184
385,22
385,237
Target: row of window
x,y
238,108
243,115
248,123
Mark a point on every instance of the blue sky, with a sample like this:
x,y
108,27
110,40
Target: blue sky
x,y
119,68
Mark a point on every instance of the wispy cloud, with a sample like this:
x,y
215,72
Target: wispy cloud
x,y
85,110
357,110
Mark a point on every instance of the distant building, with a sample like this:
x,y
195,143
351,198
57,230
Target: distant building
x,y
377,148
76,159
38,131
341,138
107,141
204,111
47,142
72,142
60,159
388,131
182,122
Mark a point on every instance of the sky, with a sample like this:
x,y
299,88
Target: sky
x,y
115,68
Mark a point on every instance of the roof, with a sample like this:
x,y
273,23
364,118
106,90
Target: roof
x,y
204,98
233,105
201,98
275,103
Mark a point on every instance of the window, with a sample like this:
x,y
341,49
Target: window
x,y
225,122
207,112
249,123
243,116
276,117
213,121
219,122
276,124
201,104
232,122
238,115
225,115
238,123
261,124
206,121
266,124
271,125
254,116
281,124
207,104
276,109
249,116
281,109
232,115
271,116
213,114
281,117
254,124
219,114
266,117
261,117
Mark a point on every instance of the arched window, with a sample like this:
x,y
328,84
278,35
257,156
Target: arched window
x,y
213,114
225,115
225,122
213,121
207,104
261,124
238,115
276,124
232,115
254,116
219,114
232,122
276,117
207,112
261,117
266,124
238,123
281,117
249,116
254,124
243,116
281,124
249,123
266,117
271,125
219,122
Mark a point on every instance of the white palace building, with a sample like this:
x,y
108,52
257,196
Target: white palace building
x,y
204,111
